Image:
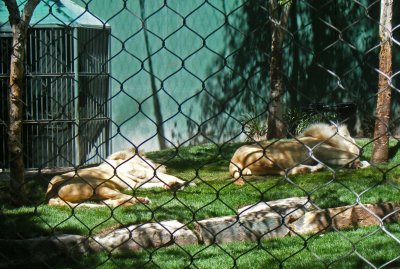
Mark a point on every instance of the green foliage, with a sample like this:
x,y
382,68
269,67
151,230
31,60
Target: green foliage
x,y
298,120
284,2
255,126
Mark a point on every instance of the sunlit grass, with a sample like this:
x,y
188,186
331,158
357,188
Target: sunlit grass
x,y
347,249
216,195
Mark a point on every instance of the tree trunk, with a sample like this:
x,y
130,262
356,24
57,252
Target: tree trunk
x,y
19,25
156,102
380,151
294,79
276,126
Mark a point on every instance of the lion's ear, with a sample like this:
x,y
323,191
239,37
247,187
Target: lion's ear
x,y
343,129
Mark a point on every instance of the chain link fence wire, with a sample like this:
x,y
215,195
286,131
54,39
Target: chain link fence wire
x,y
186,83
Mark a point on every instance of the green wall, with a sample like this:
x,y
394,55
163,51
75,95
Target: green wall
x,y
207,74
181,66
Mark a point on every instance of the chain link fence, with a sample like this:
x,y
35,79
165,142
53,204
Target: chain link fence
x,y
183,85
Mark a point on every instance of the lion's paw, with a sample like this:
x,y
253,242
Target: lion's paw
x,y
246,172
239,182
365,164
144,200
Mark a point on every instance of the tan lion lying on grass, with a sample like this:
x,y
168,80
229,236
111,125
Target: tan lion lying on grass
x,y
319,145
123,170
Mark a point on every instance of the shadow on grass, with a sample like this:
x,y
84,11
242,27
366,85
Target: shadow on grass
x,y
214,195
24,242
332,250
393,150
196,156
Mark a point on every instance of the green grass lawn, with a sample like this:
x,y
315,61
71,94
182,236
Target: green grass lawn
x,y
335,250
216,195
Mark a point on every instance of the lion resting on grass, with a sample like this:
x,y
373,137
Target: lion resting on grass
x,y
319,145
123,170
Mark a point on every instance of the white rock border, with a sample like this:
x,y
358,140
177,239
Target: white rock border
x,y
264,220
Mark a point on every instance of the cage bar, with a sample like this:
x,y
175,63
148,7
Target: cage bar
x,y
66,120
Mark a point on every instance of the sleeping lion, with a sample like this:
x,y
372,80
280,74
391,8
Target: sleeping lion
x,y
318,146
122,171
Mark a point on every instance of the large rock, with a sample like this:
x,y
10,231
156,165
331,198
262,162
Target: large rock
x,y
345,217
127,239
148,235
245,228
260,221
290,208
20,253
59,243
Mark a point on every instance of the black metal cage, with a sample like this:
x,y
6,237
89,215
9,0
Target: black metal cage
x,y
67,118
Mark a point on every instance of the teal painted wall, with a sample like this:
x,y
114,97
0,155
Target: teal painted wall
x,y
207,74
181,68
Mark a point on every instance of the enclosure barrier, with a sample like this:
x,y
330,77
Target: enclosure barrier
x,y
178,87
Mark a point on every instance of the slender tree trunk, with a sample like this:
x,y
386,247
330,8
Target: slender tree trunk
x,y
380,151
156,101
276,127
19,25
294,79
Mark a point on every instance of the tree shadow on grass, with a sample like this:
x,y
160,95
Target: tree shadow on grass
x,y
393,150
25,242
196,156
